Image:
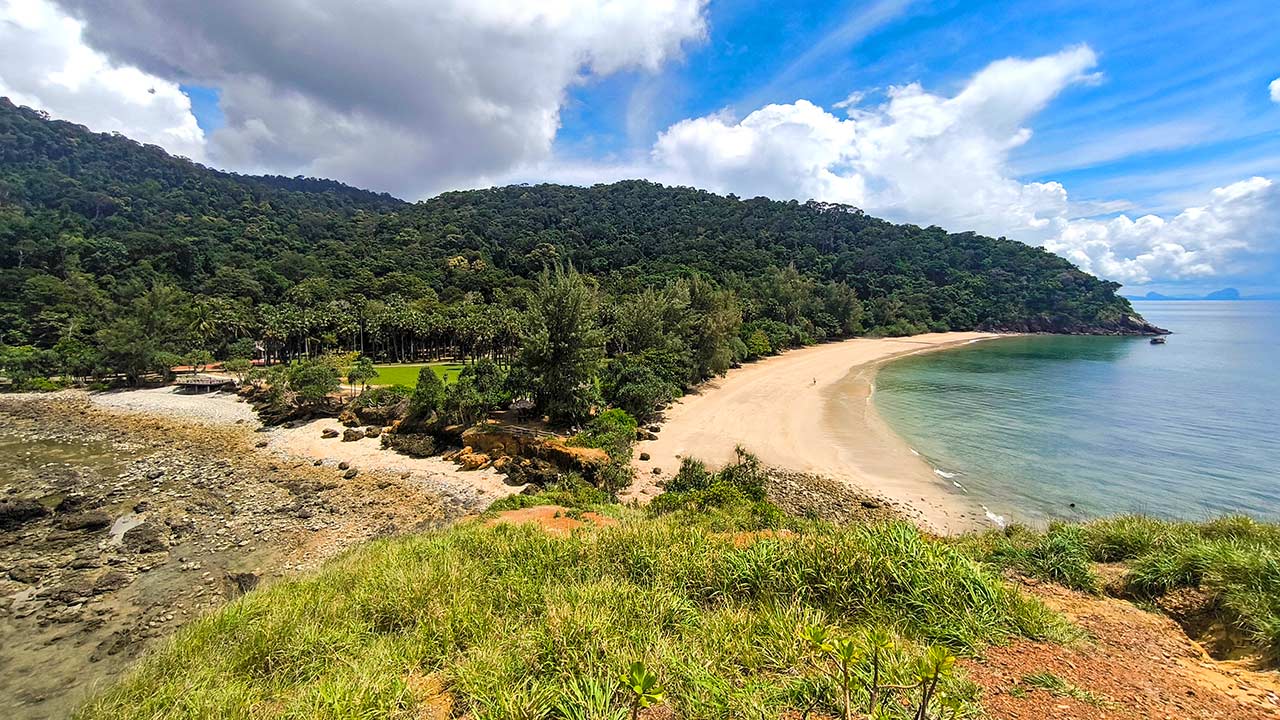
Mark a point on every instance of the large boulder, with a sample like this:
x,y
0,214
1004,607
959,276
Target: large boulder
x,y
20,511
92,520
411,444
145,538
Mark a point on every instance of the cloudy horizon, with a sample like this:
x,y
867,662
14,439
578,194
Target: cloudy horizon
x,y
1130,142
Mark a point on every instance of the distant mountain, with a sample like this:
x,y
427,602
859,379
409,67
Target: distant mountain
x,y
1223,294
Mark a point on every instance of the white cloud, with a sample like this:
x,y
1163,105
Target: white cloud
x,y
408,97
1235,224
928,159
1275,90
919,156
45,64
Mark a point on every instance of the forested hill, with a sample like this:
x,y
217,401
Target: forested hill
x,y
96,228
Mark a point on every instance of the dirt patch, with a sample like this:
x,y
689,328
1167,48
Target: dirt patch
x,y
554,519
1135,664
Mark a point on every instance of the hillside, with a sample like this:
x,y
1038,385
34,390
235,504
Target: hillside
x,y
125,257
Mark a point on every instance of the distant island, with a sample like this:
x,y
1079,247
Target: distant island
x,y
1223,294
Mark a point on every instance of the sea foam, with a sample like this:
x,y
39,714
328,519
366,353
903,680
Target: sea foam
x,y
997,520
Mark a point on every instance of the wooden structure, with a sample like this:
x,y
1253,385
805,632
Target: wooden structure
x,y
204,383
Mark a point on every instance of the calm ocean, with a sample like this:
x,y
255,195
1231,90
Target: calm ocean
x,y
1038,428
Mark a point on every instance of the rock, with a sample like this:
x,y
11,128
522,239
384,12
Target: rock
x,y
372,431
351,435
93,520
242,583
344,465
318,463
655,428
412,444
29,573
145,538
261,444
328,433
141,506
644,457
155,474
20,511
472,460
110,581
350,473
348,418
657,471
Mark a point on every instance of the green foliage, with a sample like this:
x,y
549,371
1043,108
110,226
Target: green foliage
x,y
517,622
1236,560
239,367
641,687
132,253
735,493
361,372
571,491
563,347
383,396
428,395
311,381
613,431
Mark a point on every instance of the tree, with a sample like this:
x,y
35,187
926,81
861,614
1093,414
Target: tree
x,y
362,372
563,347
428,396
758,344
311,381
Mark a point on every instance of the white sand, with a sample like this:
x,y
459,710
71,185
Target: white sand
x,y
810,410
367,454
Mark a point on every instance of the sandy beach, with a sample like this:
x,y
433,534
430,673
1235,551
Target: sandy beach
x,y
810,410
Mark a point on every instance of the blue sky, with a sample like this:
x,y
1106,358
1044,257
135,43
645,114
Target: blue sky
x,y
1181,103
1141,140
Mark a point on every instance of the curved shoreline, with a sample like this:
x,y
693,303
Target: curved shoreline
x,y
811,410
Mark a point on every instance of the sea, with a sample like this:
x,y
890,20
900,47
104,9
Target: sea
x,y
1040,428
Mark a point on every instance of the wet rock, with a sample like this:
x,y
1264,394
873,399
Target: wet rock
x,y
351,435
19,511
145,538
92,520
328,433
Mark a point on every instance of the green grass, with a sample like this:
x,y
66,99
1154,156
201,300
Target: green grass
x,y
1235,559
1058,687
519,624
407,375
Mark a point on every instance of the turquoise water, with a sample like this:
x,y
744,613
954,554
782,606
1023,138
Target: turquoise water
x,y
1030,426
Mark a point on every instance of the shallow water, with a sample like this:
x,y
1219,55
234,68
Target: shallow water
x,y
1038,428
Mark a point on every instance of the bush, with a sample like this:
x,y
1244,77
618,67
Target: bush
x,y
737,490
383,396
428,396
636,387
311,381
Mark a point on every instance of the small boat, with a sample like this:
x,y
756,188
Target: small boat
x,y
1157,341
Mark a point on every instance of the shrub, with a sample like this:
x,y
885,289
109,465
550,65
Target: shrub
x,y
428,396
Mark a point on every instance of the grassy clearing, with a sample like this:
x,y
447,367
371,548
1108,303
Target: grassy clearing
x,y
407,375
514,623
1236,560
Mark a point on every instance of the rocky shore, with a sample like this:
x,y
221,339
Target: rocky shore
x,y
117,526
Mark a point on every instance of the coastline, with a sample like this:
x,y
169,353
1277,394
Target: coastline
x,y
811,410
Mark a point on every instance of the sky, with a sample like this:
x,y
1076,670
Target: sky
x,y
1140,140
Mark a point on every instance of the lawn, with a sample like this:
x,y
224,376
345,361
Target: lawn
x,y
407,375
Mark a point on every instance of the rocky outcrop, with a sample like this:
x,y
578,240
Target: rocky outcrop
x,y
418,445
145,538
352,434
92,520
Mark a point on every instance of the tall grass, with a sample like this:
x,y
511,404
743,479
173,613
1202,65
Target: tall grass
x,y
520,624
1234,559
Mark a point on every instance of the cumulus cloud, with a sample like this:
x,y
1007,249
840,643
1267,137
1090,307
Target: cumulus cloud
x,y
925,158
45,64
1275,90
918,156
408,97
1236,224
